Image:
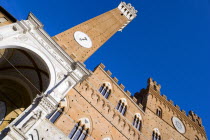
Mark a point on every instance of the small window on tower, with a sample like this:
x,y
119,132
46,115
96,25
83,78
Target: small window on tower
x,y
3,19
159,112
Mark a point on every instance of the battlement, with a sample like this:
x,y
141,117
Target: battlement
x,y
153,85
128,11
194,117
109,73
155,89
121,86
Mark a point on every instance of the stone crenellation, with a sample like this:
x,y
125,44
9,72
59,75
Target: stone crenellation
x,y
94,103
155,87
153,84
194,117
122,87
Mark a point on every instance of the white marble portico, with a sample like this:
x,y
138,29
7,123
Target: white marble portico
x,y
64,74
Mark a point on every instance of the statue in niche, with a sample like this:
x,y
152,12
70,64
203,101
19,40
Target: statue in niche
x,y
31,121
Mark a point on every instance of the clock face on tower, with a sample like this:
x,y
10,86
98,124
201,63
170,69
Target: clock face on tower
x,y
178,125
83,39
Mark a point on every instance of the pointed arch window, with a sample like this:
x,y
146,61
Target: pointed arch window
x,y
121,106
105,90
196,138
137,122
80,130
156,134
159,112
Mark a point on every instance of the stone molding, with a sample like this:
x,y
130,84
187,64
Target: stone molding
x,y
65,73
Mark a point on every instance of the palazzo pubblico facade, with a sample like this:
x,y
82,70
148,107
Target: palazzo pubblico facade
x,y
47,93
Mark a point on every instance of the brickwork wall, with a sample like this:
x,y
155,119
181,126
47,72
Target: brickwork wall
x,y
86,101
99,29
165,124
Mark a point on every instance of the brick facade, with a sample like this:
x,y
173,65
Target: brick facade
x,y
105,109
85,100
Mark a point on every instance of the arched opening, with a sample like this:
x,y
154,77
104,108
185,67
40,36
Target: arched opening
x,y
137,122
23,75
122,106
156,134
105,89
80,130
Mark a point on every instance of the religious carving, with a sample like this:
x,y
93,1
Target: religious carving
x,y
31,121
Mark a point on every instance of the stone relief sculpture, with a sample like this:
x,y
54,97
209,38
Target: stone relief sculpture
x,y
31,121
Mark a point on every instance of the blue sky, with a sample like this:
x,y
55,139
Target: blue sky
x,y
168,41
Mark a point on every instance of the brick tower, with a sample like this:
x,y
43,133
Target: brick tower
x,y
81,41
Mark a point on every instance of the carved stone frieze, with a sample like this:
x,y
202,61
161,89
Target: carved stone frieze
x,y
31,121
47,105
52,51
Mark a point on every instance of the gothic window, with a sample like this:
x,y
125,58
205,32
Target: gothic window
x,y
137,122
196,138
159,112
105,90
121,106
55,115
80,130
3,19
156,134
